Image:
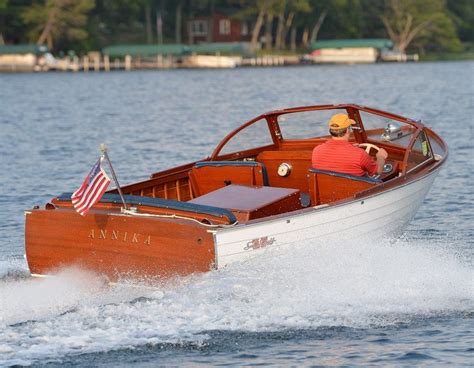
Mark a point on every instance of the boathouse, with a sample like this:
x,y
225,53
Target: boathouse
x,y
349,51
24,57
217,54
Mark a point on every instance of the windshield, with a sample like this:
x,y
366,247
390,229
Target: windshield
x,y
253,136
382,129
306,124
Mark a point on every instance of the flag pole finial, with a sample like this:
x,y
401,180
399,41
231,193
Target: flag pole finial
x,y
103,150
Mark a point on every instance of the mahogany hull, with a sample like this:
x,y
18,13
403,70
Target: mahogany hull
x,y
115,245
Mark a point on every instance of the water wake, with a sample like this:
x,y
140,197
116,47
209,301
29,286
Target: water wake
x,y
308,286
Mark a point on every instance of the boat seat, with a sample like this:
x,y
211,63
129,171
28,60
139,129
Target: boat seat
x,y
207,176
299,161
167,204
330,186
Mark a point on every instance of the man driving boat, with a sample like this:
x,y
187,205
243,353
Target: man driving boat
x,y
337,154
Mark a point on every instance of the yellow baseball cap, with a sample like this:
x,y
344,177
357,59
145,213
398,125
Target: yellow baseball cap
x,y
340,121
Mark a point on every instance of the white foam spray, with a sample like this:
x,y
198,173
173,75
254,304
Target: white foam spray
x,y
308,286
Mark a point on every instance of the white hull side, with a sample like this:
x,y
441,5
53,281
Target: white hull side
x,y
376,216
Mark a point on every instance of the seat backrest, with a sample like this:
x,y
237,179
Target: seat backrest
x,y
329,186
299,161
208,176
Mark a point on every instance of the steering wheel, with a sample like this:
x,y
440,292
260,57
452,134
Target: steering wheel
x,y
368,147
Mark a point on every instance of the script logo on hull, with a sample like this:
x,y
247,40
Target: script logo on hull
x,y
259,243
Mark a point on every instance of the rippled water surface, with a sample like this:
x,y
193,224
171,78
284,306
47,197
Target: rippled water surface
x,y
400,302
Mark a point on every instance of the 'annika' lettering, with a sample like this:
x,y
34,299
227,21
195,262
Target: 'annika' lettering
x,y
123,236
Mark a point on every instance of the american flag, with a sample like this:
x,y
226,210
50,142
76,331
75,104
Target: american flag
x,y
91,190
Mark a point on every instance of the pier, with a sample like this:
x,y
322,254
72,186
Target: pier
x,y
37,58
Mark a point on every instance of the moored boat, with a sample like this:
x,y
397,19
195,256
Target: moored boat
x,y
256,190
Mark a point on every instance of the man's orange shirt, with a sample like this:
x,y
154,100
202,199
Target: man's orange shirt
x,y
341,156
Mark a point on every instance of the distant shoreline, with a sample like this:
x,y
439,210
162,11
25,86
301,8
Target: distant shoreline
x,y
263,61
448,56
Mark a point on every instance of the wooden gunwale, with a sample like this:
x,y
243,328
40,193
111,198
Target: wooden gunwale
x,y
112,208
287,145
181,172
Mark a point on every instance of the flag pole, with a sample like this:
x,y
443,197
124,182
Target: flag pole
x,y
103,150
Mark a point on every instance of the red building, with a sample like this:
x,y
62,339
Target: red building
x,y
217,28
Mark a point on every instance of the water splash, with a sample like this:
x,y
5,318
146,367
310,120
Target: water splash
x,y
307,287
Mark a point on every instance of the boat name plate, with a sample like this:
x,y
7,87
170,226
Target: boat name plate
x,y
124,236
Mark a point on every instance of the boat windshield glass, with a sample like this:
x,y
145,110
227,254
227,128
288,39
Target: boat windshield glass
x,y
420,152
306,124
382,129
253,136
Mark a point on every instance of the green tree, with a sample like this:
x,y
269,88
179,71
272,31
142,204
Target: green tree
x,y
57,20
287,11
337,19
262,8
12,27
116,21
410,20
462,12
431,25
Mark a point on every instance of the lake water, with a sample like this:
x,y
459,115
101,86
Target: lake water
x,y
400,302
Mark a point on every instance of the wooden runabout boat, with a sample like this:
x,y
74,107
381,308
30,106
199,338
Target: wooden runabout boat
x,y
257,190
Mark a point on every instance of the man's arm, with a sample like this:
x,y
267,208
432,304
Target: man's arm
x,y
381,156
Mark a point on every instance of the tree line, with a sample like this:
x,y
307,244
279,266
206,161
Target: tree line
x,y
83,25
